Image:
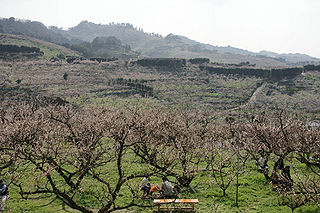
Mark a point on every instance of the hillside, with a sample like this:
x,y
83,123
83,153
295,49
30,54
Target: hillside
x,y
48,49
30,28
170,82
150,44
107,47
195,84
154,45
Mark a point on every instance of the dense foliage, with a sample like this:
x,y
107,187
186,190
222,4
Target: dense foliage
x,y
199,60
162,63
18,49
106,47
311,67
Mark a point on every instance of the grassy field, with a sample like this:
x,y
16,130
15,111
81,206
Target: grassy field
x,y
255,194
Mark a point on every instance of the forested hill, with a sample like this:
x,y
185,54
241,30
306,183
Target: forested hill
x,y
150,44
31,28
106,47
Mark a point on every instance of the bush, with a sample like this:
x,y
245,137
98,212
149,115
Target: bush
x,y
169,63
199,60
7,48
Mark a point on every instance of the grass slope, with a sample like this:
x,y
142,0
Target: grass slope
x,y
49,49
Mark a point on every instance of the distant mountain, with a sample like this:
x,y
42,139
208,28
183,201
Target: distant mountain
x,y
227,49
287,58
149,44
290,57
154,45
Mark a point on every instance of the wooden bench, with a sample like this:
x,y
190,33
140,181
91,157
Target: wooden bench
x,y
175,204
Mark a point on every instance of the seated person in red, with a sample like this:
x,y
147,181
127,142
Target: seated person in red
x,y
154,188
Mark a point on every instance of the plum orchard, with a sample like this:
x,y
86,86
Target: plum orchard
x,y
67,152
87,158
286,137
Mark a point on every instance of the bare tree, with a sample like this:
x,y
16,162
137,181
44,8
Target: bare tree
x,y
292,200
221,154
171,143
266,134
287,136
69,150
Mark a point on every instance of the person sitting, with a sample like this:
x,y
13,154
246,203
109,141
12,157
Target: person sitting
x,y
166,188
286,173
279,164
262,162
275,178
176,188
3,194
154,188
145,186
287,181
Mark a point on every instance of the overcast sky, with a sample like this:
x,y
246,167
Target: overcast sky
x,y
282,26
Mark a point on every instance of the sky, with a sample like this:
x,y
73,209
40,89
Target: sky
x,y
282,26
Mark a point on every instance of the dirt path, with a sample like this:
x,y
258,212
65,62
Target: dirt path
x,y
253,98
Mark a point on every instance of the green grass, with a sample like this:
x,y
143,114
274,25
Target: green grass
x,y
255,194
48,52
311,77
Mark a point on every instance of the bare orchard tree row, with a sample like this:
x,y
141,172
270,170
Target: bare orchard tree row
x,y
64,151
295,149
101,153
